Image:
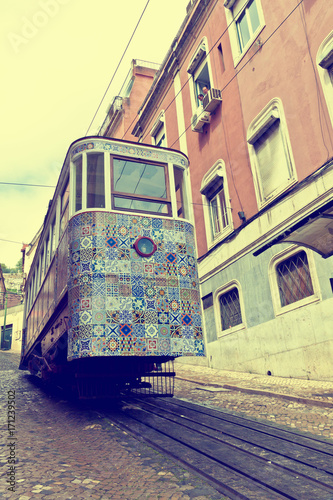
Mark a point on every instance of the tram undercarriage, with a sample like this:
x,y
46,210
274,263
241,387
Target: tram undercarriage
x,y
104,377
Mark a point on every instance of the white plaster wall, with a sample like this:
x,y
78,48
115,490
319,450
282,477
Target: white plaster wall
x,y
297,344
14,317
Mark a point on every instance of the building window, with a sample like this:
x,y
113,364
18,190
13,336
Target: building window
x,y
247,24
199,69
158,132
215,197
218,210
6,337
245,19
325,70
293,279
229,310
270,153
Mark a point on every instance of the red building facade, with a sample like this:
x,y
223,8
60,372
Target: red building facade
x,y
246,92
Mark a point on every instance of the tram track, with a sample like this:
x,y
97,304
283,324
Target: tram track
x,y
241,458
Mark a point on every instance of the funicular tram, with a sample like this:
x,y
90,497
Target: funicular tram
x,y
112,296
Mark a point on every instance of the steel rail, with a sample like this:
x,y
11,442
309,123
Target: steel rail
x,y
161,425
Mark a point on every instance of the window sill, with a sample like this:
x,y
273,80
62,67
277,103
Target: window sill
x,y
230,331
228,230
263,203
296,305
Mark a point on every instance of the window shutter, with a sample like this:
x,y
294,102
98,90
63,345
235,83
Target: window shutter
x,y
271,157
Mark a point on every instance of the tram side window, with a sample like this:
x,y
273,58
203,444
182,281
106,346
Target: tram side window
x,y
53,235
180,192
95,180
140,186
29,298
47,249
78,183
41,264
38,270
64,207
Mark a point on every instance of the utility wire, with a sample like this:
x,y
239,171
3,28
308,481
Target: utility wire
x,y
225,86
30,185
120,61
11,241
187,81
248,61
228,83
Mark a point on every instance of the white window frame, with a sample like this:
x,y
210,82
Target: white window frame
x,y
198,60
272,112
170,180
324,63
233,11
217,171
227,287
273,280
158,130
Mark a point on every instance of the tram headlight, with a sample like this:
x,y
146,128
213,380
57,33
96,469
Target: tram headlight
x,y
145,246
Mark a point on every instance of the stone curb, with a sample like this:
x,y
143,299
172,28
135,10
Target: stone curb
x,y
259,392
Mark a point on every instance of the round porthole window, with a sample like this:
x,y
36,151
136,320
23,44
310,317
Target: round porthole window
x,y
145,246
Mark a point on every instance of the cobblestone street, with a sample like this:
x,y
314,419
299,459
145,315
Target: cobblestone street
x,y
64,450
303,405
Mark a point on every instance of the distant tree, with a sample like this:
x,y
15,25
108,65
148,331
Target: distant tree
x,y
4,268
18,267
14,270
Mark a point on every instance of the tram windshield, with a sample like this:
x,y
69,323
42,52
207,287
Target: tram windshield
x,y
138,186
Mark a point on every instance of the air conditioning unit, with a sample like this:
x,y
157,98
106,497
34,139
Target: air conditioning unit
x,y
211,100
198,120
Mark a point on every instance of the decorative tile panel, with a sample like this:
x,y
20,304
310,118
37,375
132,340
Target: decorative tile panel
x,y
134,151
123,304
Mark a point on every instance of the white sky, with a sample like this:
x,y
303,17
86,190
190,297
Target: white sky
x,y
57,59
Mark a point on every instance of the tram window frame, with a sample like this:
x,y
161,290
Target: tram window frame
x,y
78,182
53,227
38,269
180,192
28,298
33,287
42,264
47,250
144,198
176,201
64,206
96,177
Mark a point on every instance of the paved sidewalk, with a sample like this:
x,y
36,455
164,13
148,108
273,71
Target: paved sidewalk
x,y
305,405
